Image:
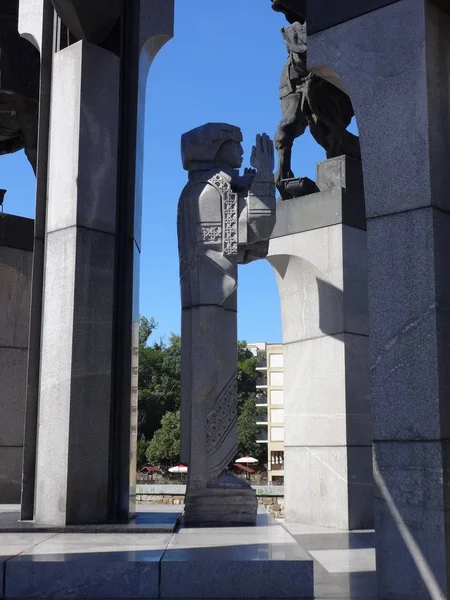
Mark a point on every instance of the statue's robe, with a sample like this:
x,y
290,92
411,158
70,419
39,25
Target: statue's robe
x,y
217,229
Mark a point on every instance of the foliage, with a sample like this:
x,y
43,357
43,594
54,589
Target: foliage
x,y
141,459
164,447
248,431
159,399
247,373
146,328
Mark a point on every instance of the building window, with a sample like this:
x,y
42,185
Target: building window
x,y
277,416
277,460
276,397
276,361
277,434
276,379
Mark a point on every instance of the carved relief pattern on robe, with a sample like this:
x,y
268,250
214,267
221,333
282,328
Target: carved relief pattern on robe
x,y
220,421
230,215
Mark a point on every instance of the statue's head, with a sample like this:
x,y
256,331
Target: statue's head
x,y
293,10
213,144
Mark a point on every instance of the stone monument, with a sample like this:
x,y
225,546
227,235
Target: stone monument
x,y
223,220
307,100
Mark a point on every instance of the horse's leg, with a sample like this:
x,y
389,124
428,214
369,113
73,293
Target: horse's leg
x,y
292,125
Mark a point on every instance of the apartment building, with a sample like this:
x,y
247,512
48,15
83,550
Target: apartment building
x,y
271,406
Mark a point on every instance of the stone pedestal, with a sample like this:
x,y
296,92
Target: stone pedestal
x,y
402,107
318,251
16,248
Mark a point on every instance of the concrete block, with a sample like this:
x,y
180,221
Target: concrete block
x,y
85,100
322,280
232,562
411,483
327,393
15,277
320,482
88,566
10,474
309,272
13,370
75,381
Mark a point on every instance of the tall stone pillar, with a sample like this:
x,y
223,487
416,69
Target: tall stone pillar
x,y
75,383
16,253
394,62
92,240
318,251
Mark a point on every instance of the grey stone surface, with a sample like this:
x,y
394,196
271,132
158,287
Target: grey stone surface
x,y
329,13
411,481
88,566
409,297
10,473
15,274
259,562
17,232
31,21
326,393
324,487
218,228
404,165
86,87
75,378
13,368
15,277
86,23
322,280
330,207
341,172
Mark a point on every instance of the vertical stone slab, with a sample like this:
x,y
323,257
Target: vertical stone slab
x,y
16,246
74,402
319,255
405,148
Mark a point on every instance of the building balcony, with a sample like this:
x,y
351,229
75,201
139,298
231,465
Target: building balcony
x,y
262,437
261,382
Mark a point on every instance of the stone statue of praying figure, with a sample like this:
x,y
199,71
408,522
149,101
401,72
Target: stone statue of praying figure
x,y
223,219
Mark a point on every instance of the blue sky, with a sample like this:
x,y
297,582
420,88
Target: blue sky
x,y
223,64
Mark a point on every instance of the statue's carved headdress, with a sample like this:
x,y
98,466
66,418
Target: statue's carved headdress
x,y
201,145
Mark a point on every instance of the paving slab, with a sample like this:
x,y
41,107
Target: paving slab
x,y
236,562
149,519
88,565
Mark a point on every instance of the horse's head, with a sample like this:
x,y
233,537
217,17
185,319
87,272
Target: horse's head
x,y
293,10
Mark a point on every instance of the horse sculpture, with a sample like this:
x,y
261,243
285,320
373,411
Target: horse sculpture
x,y
308,100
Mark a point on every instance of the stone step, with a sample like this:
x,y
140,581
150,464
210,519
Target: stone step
x,y
229,562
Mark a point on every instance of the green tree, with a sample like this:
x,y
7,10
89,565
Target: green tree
x,y
146,328
164,447
248,431
246,373
159,383
141,458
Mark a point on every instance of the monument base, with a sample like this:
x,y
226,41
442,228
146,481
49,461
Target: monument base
x,y
220,507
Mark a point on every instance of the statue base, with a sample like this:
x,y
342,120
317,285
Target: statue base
x,y
221,507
